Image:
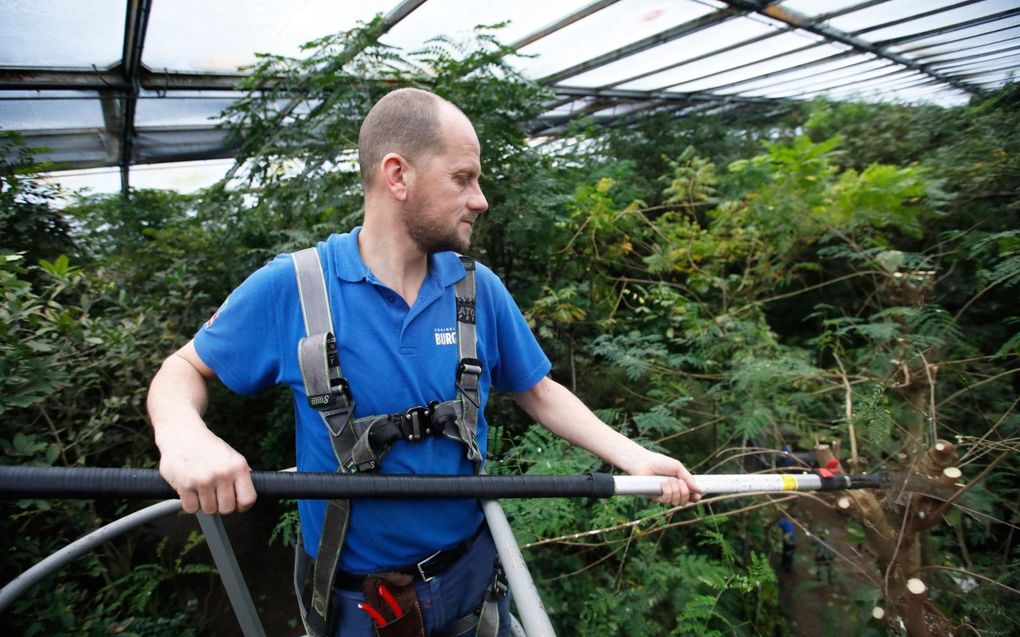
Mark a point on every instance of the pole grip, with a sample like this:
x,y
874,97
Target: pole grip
x,y
89,483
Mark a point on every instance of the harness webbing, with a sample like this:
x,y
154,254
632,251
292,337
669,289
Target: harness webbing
x,y
360,444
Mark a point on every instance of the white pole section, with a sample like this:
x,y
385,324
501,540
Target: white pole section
x,y
722,483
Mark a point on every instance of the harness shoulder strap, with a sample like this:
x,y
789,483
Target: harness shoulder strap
x,y
470,368
328,393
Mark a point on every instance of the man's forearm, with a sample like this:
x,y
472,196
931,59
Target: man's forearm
x,y
564,414
206,472
178,396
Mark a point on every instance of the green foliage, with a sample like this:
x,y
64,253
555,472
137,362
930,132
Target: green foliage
x,y
711,285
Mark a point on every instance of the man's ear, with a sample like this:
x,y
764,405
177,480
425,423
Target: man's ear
x,y
396,173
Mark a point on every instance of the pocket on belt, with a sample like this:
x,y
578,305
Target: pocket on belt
x,y
392,602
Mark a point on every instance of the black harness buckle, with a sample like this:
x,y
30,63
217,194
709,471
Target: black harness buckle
x,y
417,423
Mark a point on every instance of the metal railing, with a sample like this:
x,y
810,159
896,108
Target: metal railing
x,y
534,619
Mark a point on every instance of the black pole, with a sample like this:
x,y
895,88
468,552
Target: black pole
x,y
147,484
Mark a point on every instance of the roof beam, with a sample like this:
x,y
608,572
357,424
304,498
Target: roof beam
x,y
924,45
669,96
916,16
800,21
966,24
737,45
644,44
136,24
562,23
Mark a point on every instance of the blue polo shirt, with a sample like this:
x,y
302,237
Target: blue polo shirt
x,y
394,357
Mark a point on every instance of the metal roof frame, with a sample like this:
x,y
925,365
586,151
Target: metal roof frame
x,y
956,63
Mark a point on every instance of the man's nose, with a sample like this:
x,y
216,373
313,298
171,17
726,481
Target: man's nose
x,y
477,201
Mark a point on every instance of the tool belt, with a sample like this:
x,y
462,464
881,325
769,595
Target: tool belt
x,y
424,570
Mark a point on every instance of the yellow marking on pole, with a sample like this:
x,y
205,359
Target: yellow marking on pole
x,y
789,482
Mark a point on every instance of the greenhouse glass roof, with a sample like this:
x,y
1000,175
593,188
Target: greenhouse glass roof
x,y
118,83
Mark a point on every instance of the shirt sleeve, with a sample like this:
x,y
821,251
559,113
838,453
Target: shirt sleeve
x,y
241,342
521,363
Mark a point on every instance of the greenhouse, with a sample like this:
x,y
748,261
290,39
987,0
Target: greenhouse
x,y
762,256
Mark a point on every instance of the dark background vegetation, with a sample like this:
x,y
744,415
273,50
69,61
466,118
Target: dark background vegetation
x,y
715,287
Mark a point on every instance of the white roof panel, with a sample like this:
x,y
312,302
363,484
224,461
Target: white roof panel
x,y
182,109
62,33
705,41
763,50
197,35
812,8
962,38
620,24
941,20
457,19
966,52
802,78
776,64
40,110
870,17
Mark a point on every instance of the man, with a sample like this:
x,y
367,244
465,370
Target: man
x,y
392,288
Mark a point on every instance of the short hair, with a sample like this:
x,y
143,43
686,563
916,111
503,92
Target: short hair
x,y
404,121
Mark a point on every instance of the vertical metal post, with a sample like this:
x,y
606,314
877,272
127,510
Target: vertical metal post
x,y
230,573
529,604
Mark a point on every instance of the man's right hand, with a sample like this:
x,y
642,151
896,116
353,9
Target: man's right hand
x,y
207,473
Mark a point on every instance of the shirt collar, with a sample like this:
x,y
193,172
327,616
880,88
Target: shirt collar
x,y
445,267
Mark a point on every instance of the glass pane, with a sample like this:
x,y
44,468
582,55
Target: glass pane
x,y
62,33
850,76
807,77
763,50
761,68
1011,59
940,20
871,88
182,108
156,144
965,52
615,26
887,12
811,8
71,147
180,176
705,41
196,35
458,18
39,110
971,36
994,79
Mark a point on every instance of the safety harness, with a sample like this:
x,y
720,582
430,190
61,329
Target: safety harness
x,y
360,444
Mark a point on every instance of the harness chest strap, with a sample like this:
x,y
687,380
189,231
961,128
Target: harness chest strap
x,y
360,444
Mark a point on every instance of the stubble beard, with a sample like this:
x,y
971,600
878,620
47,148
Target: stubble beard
x,y
428,234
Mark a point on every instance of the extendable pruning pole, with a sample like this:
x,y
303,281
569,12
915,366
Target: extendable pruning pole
x,y
89,483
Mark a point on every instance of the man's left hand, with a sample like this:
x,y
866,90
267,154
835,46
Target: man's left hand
x,y
678,487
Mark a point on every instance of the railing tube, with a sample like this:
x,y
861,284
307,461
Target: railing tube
x,y
56,561
529,605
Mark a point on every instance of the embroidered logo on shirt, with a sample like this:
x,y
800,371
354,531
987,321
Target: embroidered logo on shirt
x,y
446,335
212,319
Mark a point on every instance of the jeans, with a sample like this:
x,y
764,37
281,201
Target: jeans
x,y
457,592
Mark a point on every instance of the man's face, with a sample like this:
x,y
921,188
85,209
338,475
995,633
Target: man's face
x,y
444,199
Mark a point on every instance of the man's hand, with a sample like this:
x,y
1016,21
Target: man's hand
x,y
207,473
678,487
